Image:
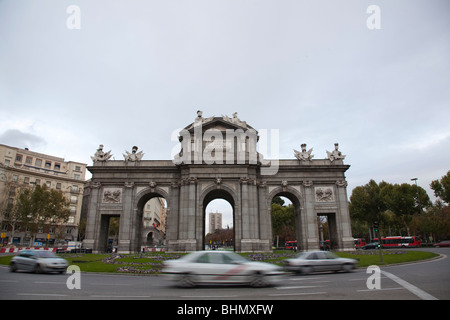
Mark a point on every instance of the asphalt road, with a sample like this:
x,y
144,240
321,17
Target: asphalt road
x,y
416,281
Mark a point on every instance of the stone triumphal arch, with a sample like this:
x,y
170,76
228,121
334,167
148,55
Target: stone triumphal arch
x,y
218,158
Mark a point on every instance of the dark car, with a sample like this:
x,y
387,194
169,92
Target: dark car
x,y
372,245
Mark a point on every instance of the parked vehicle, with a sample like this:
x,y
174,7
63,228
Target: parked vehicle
x,y
220,267
307,262
38,261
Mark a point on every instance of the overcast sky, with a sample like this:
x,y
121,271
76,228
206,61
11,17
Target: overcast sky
x,y
318,71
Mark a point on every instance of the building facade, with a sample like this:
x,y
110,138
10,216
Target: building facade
x,y
215,221
22,168
154,222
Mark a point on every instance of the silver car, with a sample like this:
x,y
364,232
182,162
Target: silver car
x,y
220,267
38,261
307,262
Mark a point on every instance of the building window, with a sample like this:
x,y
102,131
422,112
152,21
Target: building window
x,y
75,189
57,166
77,176
71,219
73,209
38,162
48,183
7,162
48,164
58,185
15,178
26,180
19,158
77,168
37,182
73,199
29,160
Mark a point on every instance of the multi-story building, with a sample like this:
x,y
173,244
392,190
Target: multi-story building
x,y
215,221
154,222
21,168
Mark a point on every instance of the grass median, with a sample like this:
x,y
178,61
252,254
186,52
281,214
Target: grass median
x,y
152,262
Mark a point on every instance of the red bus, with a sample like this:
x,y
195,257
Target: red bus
x,y
400,242
291,244
360,242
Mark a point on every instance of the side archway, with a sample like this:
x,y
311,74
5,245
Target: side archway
x,y
141,232
296,199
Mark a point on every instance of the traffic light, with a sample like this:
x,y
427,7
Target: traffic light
x,y
375,226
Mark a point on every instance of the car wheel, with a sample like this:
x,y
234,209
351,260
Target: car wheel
x,y
258,280
187,280
12,267
347,267
37,268
305,270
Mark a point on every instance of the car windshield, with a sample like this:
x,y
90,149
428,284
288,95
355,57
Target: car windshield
x,y
234,258
302,255
46,254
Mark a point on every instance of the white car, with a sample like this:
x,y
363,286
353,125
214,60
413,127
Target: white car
x,y
38,261
307,262
220,267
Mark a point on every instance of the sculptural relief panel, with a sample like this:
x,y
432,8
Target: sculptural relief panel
x,y
324,194
112,195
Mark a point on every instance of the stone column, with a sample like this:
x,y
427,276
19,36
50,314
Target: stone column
x,y
310,218
265,219
92,223
343,218
129,229
173,217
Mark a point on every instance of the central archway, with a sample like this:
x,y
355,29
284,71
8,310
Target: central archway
x,y
211,196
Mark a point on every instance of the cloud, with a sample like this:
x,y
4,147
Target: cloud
x,y
17,138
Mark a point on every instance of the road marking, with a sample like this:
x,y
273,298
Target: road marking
x,y
42,294
297,287
110,284
119,297
224,296
296,294
413,289
306,279
382,289
49,282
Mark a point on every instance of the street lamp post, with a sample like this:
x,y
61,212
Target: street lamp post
x,y
417,193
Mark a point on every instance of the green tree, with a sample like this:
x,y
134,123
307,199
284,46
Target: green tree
x,y
404,201
441,188
367,203
34,208
283,221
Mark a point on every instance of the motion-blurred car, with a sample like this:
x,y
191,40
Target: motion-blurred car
x,y
307,262
371,245
445,243
38,261
220,267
